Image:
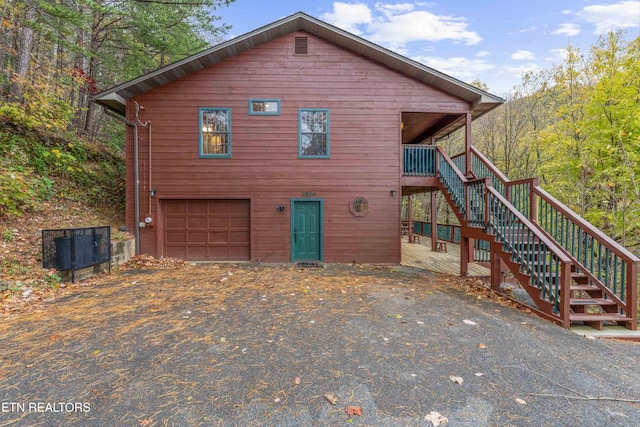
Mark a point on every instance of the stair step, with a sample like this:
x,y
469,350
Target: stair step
x,y
592,301
595,320
579,278
585,288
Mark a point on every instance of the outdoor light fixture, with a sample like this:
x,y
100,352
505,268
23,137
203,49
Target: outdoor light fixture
x,y
393,193
280,208
153,193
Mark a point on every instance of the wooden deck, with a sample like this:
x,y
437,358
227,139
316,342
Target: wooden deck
x,y
421,256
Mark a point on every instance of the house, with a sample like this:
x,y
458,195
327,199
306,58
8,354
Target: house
x,y
283,144
297,141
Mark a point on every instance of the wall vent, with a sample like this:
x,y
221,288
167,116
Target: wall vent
x,y
300,45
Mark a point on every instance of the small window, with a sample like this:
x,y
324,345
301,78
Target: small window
x,y
215,132
300,45
264,107
313,137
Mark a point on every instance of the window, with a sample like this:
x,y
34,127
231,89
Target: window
x,y
313,133
215,132
264,107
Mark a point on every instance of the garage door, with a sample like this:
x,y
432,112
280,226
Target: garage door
x,y
207,230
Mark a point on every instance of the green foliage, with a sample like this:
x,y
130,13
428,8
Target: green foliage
x,y
8,236
36,168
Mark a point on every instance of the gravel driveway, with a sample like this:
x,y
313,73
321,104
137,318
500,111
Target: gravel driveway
x,y
261,345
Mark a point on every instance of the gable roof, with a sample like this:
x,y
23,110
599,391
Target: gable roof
x,y
482,102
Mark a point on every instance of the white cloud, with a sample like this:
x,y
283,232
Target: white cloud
x,y
394,9
462,68
483,53
568,29
396,24
523,55
557,55
421,25
624,14
567,12
519,70
349,16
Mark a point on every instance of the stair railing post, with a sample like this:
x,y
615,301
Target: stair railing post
x,y
632,294
487,184
565,294
533,201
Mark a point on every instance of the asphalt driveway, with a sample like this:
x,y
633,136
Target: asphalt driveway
x,y
261,345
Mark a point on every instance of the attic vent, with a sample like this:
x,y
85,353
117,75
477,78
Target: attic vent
x,y
300,45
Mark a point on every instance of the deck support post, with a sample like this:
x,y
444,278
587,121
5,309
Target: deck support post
x,y
434,222
496,267
410,215
464,256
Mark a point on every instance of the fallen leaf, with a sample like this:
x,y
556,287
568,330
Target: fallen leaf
x,y
96,351
146,422
276,400
331,398
398,316
457,380
478,374
436,418
298,380
469,322
482,345
353,410
520,401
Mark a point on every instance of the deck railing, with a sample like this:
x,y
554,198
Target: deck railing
x,y
453,181
538,256
459,160
419,160
607,264
447,232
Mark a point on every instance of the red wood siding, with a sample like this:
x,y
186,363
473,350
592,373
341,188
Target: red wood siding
x,y
365,100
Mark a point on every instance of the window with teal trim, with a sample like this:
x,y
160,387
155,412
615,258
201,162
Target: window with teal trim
x,y
264,107
313,133
215,132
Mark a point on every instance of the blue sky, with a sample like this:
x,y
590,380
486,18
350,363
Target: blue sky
x,y
494,41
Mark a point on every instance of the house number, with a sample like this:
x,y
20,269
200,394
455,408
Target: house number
x,y
308,194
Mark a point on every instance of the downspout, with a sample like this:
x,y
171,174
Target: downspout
x,y
136,171
146,124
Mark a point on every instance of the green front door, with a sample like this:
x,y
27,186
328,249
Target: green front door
x,y
306,230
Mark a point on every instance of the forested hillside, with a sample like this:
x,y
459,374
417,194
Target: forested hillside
x,y
576,127
54,56
61,157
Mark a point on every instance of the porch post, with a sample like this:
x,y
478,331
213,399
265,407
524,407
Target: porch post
x,y
467,144
410,215
496,267
464,256
434,222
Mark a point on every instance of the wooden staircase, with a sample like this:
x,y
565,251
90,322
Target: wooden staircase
x,y
573,273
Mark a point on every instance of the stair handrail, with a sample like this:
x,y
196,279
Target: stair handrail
x,y
631,261
555,248
616,247
563,259
456,171
630,282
